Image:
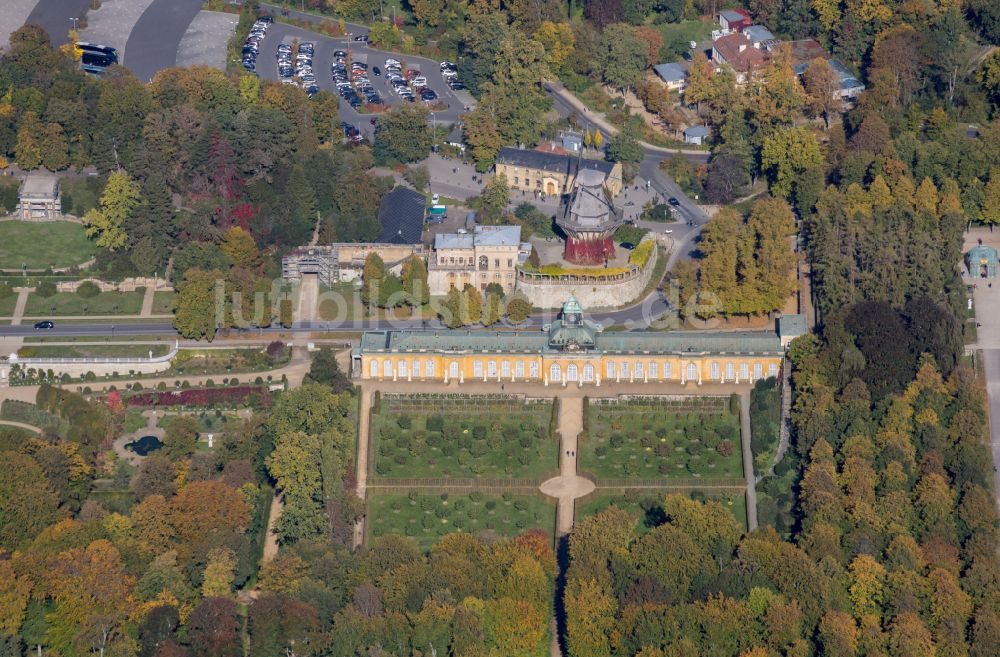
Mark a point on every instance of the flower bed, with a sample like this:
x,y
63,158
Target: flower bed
x,y
257,396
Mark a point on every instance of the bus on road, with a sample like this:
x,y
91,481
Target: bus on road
x,y
95,58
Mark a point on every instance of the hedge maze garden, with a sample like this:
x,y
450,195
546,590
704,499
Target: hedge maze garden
x,y
698,437
445,463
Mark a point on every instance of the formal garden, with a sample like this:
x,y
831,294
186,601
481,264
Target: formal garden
x,y
462,436
683,438
646,504
427,516
87,300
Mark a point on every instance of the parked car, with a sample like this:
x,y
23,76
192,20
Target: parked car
x,y
339,53
376,70
628,246
673,201
362,38
456,85
265,19
428,95
445,65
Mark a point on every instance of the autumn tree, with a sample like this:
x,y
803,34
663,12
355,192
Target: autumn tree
x,y
180,438
91,591
622,57
214,628
119,199
822,87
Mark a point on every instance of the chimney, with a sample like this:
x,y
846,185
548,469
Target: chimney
x,y
743,47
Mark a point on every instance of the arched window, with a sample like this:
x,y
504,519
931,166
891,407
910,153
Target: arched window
x,y
758,370
453,370
609,370
519,369
666,370
744,371
572,373
477,369
772,369
588,372
555,372
714,368
730,371
653,373
624,370
638,371
491,368
416,368
430,369
387,368
373,368
402,368
505,369
534,369
692,372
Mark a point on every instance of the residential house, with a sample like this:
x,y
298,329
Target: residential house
x,y
737,51
760,37
673,74
696,134
734,20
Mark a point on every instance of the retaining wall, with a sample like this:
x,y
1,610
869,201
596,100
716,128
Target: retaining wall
x,y
553,292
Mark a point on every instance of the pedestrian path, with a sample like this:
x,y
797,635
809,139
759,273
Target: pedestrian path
x,y
568,486
748,461
147,301
22,301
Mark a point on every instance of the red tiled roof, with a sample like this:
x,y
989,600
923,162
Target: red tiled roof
x,y
728,47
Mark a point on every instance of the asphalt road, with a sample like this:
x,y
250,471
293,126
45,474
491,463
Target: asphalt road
x,y
54,17
991,367
279,33
152,46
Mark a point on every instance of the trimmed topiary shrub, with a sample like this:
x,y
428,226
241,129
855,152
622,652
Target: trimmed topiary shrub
x,y
88,289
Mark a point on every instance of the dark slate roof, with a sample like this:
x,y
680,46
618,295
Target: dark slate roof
x,y
534,159
401,214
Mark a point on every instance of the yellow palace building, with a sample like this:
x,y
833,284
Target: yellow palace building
x,y
574,351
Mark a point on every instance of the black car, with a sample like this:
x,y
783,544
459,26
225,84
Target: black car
x,y
673,201
44,325
456,86
363,38
265,19
687,56
376,70
354,102
628,246
312,90
428,95
339,53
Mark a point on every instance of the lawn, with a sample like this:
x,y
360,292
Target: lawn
x,y
71,303
134,421
646,505
428,516
695,438
93,351
208,421
342,301
7,305
163,303
446,436
44,245
684,32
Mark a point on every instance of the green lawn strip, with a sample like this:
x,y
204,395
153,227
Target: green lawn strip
x,y
342,301
427,516
44,245
645,503
7,305
71,303
651,444
96,338
94,351
163,303
208,421
483,441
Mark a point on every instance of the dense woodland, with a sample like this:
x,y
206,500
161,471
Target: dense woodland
x,y
884,546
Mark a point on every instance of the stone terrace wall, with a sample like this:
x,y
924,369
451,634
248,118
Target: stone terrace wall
x,y
552,293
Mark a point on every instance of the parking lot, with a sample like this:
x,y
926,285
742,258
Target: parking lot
x,y
277,33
